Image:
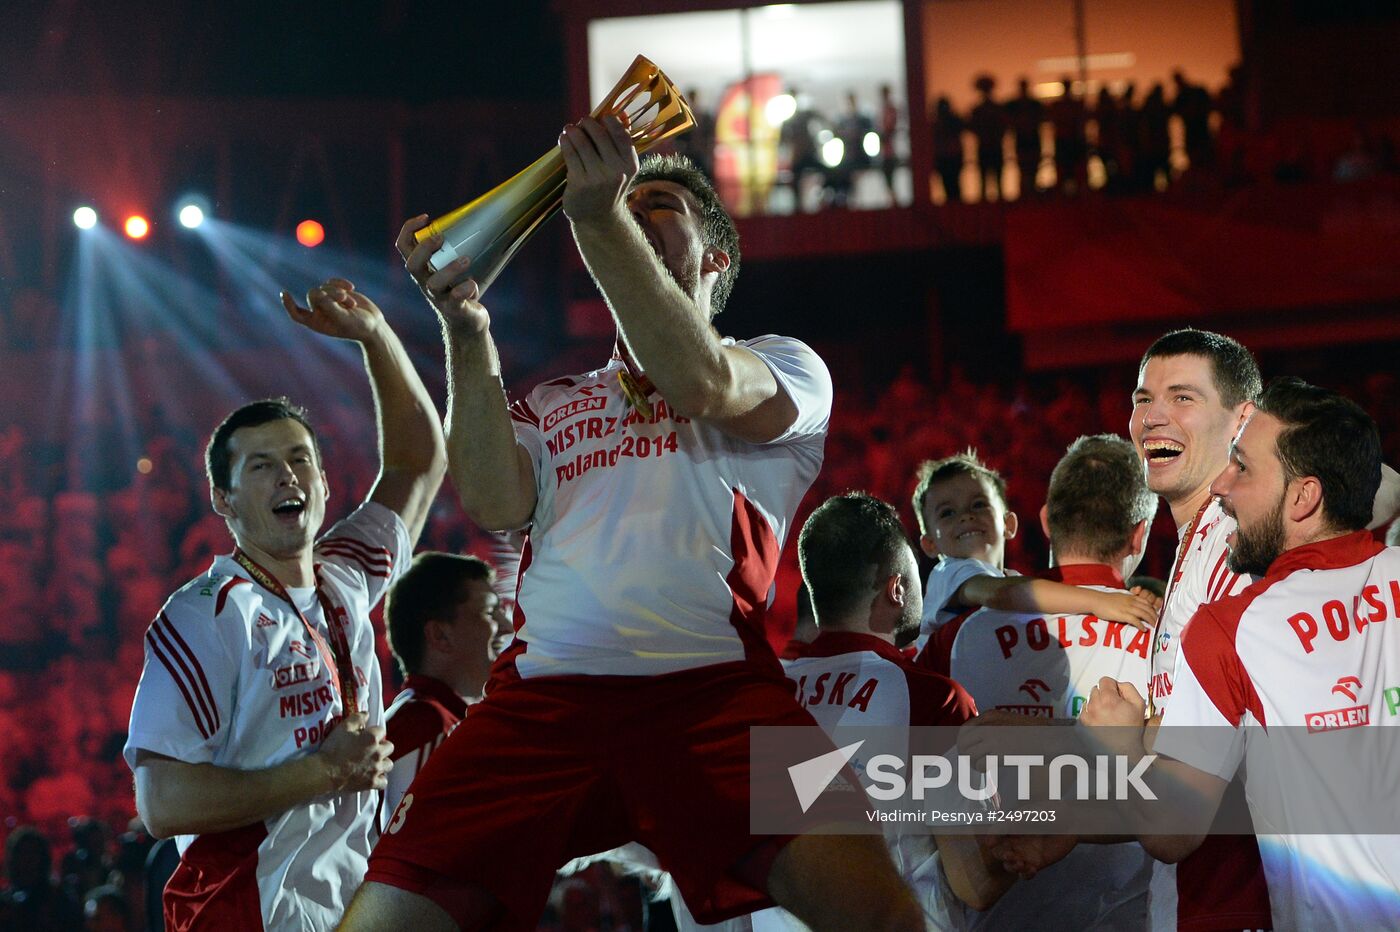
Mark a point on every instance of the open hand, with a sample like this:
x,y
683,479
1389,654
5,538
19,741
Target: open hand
x,y
1137,607
336,309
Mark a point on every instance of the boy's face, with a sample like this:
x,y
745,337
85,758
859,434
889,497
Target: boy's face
x,y
966,519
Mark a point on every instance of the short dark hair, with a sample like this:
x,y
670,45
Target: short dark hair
x,y
1233,367
965,463
428,589
838,544
1328,436
716,226
217,464
1098,494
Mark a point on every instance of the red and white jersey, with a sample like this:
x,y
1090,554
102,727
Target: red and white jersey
x,y
1046,666
418,720
1199,576
232,678
655,539
1222,884
1313,645
852,679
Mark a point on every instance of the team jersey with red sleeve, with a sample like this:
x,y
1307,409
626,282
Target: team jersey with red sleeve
x,y
1313,646
233,678
597,594
1221,885
1046,666
418,720
853,679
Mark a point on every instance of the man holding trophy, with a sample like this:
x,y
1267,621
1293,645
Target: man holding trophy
x,y
657,491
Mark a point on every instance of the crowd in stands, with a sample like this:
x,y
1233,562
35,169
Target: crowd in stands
x,y
1121,142
87,568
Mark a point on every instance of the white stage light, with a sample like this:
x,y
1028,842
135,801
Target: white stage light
x,y
191,216
85,218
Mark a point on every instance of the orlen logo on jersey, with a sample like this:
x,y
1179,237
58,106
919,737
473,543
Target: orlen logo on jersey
x,y
1349,717
1033,689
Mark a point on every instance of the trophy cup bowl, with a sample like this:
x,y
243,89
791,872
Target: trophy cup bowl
x,y
493,227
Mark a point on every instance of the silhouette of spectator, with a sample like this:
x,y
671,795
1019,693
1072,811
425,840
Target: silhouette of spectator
x,y
851,128
87,865
699,144
1026,113
988,124
1109,123
1193,105
888,126
1154,135
1071,149
33,901
798,138
1129,138
948,149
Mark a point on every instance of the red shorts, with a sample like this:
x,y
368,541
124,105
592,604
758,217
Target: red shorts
x,y
546,770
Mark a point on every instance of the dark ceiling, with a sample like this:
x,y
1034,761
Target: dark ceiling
x,y
418,51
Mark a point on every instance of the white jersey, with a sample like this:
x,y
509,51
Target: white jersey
x,y
945,579
1312,647
1200,576
1046,666
1221,885
232,678
655,539
851,679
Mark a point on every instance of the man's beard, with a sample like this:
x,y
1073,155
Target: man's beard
x,y
1254,551
906,630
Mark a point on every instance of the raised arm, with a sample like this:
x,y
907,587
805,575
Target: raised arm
x,y
412,454
178,798
493,473
667,331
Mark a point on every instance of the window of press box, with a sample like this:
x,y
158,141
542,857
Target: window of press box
x,y
799,107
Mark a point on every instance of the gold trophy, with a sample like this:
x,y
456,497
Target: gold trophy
x,y
494,226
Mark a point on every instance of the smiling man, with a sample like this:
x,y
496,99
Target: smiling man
x,y
658,490
256,732
1301,483
1195,390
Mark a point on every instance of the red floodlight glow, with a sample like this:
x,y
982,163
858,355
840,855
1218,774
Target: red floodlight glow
x,y
310,233
137,226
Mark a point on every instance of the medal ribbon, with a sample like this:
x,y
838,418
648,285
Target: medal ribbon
x,y
1181,550
341,670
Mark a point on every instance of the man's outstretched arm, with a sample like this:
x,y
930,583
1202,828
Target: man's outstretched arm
x,y
412,453
493,473
668,336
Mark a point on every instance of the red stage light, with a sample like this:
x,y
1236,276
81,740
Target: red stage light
x,y
310,233
137,226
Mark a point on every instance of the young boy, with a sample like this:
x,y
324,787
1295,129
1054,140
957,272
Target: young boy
x,y
964,524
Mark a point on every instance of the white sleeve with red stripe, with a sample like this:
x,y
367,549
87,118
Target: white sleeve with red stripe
x,y
185,698
1212,697
371,544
